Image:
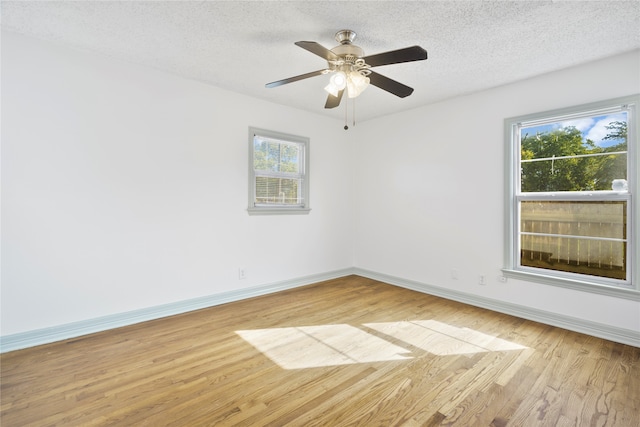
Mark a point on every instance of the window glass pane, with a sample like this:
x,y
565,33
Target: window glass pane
x,y
276,156
585,154
578,237
281,191
575,173
278,173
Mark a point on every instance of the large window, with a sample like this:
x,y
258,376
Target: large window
x,y
278,173
571,188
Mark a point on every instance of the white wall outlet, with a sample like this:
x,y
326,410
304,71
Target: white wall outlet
x,y
242,273
481,280
454,274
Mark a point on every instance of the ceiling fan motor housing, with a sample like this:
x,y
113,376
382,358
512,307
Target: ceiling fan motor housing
x,y
346,50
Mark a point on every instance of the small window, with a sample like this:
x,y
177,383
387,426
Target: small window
x,y
278,173
572,173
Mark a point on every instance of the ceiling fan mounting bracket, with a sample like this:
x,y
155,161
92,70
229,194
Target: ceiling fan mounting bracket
x,y
345,36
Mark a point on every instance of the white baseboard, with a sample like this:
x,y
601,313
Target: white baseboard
x,y
72,330
612,333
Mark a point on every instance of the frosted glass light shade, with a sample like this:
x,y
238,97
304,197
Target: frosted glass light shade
x,y
356,84
337,82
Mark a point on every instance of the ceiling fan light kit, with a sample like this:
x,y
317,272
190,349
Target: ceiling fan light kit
x,y
354,80
351,69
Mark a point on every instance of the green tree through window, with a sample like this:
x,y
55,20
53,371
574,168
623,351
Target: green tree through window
x,y
562,160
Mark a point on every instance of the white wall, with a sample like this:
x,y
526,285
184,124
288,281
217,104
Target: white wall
x,y
125,188
429,190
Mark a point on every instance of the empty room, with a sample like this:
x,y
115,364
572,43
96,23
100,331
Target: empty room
x,y
320,213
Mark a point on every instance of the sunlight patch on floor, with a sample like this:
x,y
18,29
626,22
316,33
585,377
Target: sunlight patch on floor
x,y
442,339
331,345
325,345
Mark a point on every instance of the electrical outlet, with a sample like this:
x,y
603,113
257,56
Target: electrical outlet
x,y
454,274
242,273
482,281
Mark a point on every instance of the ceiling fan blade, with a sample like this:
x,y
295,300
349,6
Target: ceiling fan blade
x,y
390,85
296,78
319,50
334,101
408,54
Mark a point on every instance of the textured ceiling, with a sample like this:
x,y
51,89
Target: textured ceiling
x,y
241,45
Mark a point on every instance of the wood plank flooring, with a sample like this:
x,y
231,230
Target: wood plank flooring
x,y
346,352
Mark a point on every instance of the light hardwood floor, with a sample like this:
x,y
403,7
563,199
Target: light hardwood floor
x,y
350,351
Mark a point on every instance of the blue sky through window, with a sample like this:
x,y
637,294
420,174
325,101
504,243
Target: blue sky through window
x,y
592,127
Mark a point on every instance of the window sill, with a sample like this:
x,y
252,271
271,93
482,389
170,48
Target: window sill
x,y
278,211
612,291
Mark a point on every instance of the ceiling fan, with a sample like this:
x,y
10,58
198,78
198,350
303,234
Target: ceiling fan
x,y
351,69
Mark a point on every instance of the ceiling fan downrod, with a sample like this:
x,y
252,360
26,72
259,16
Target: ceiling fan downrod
x,y
345,36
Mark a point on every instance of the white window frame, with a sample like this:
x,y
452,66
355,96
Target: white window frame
x,y
279,209
628,289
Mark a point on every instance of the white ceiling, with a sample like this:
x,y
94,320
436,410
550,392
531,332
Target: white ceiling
x,y
241,45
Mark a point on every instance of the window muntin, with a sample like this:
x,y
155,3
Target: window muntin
x,y
573,174
278,169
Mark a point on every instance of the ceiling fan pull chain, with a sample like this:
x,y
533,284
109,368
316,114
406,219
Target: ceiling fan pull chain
x,y
346,109
353,113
